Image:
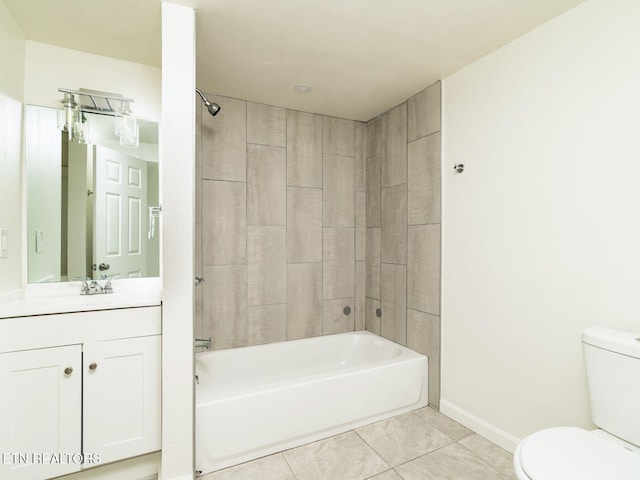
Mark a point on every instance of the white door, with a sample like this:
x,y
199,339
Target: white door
x,y
122,397
40,412
120,214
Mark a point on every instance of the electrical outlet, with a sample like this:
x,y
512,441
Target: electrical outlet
x,y
4,243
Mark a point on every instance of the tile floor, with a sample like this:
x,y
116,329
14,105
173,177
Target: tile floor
x,y
419,445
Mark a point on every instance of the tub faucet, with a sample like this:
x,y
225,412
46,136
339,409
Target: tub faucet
x,y
203,343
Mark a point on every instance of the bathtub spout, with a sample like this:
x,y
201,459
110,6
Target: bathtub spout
x,y
203,343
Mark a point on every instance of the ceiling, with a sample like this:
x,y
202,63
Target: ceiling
x,y
360,57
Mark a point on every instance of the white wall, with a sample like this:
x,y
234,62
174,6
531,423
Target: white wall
x,y
12,53
177,174
541,233
49,67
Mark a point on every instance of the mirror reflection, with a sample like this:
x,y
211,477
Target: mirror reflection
x,y
91,207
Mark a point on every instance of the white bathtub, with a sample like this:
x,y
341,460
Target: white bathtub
x,y
254,401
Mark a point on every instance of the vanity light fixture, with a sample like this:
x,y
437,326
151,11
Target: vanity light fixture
x,y
75,103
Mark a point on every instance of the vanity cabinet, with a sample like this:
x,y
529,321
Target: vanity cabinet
x,y
41,410
93,399
121,397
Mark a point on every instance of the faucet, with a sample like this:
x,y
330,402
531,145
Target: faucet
x,y
203,343
92,287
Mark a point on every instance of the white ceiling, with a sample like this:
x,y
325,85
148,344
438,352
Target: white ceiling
x,y
361,57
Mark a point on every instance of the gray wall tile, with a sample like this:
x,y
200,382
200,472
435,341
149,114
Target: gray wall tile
x,y
372,321
304,149
424,180
304,300
393,241
393,290
338,136
224,228
374,136
266,125
304,225
266,185
266,266
372,282
266,324
361,157
359,299
394,148
361,225
333,318
374,209
423,283
338,191
225,305
424,112
338,262
224,141
423,336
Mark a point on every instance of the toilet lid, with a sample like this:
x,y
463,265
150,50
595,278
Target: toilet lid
x,y
568,452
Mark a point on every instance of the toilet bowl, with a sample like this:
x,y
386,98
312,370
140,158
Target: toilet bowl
x,y
568,453
612,452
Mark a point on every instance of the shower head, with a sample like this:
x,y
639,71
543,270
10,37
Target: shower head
x,y
213,108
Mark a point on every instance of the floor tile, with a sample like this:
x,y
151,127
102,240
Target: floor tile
x,y
402,438
453,462
388,475
274,467
449,427
490,453
343,457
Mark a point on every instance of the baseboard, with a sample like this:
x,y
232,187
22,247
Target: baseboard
x,y
144,467
481,427
183,477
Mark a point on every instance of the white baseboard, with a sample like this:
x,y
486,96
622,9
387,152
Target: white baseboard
x,y
481,427
144,467
183,477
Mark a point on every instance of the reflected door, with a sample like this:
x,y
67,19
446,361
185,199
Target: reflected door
x,y
120,214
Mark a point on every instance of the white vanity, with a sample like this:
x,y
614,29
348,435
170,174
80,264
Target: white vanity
x,y
80,377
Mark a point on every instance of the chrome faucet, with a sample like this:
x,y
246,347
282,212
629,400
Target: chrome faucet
x,y
92,287
203,343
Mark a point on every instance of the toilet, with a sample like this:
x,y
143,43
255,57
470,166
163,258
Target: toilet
x,y
612,452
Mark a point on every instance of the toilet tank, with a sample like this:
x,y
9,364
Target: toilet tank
x,y
612,361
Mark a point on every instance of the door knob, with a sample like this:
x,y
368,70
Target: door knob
x,y
103,266
68,371
93,366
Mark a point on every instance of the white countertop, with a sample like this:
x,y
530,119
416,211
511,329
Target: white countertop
x,y
45,299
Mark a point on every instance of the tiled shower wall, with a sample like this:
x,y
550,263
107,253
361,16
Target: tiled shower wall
x,y
280,224
403,227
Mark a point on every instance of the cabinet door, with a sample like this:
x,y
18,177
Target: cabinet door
x,y
40,412
121,398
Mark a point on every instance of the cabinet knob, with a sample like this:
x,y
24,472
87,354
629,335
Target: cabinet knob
x,y
68,371
93,366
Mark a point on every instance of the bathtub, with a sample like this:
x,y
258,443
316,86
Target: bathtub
x,y
254,401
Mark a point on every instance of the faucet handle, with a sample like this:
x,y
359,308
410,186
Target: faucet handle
x,y
107,286
85,284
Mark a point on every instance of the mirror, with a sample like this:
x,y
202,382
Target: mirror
x,y
88,204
